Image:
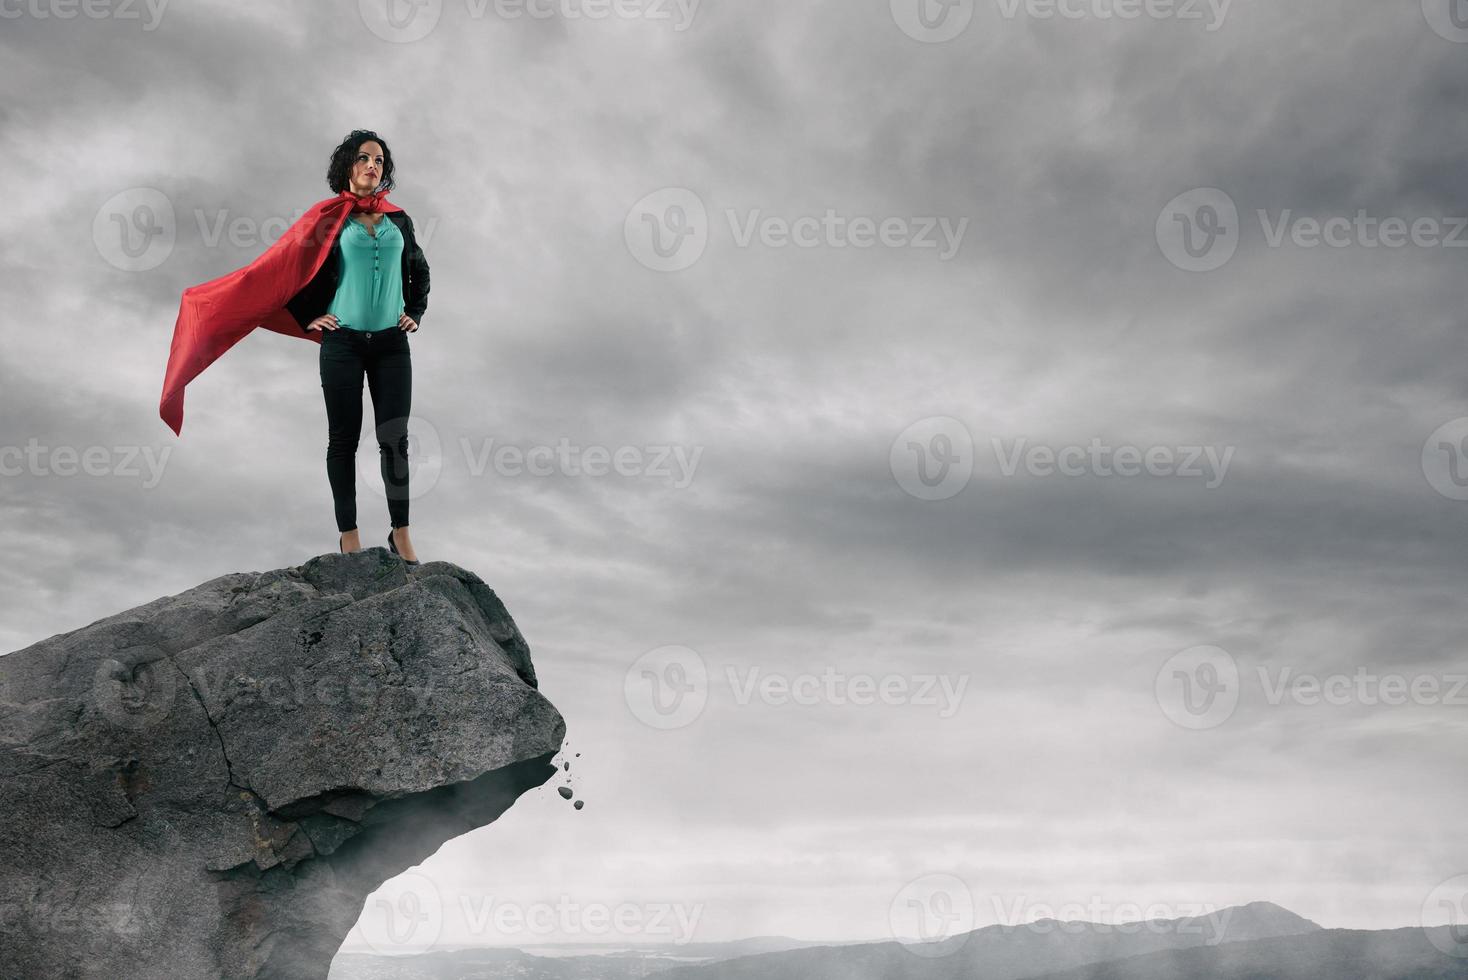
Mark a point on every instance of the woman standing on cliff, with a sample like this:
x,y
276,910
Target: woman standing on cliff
x,y
358,285
366,298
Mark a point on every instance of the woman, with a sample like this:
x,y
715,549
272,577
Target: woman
x,y
369,294
354,283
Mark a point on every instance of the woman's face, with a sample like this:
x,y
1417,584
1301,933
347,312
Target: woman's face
x,y
367,168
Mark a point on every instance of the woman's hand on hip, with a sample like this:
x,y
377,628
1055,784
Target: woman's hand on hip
x,y
407,323
326,321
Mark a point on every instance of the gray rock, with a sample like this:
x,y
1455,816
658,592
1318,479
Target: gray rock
x,y
211,784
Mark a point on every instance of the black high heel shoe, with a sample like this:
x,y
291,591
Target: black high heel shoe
x,y
394,547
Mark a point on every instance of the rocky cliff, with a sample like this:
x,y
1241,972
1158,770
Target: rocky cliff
x,y
211,784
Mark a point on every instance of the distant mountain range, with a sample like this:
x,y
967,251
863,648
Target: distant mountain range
x,y
1330,954
1259,941
566,961
1009,952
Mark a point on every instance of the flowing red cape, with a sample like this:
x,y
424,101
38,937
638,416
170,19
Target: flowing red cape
x,y
216,315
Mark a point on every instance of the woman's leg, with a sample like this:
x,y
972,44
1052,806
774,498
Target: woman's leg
x,y
341,384
390,377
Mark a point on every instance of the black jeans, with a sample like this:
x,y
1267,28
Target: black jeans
x,y
385,358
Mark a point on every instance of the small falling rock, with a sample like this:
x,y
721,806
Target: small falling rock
x,y
579,804
565,792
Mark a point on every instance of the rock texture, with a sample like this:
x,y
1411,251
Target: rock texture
x,y
211,784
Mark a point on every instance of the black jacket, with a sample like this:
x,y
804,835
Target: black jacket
x,y
315,297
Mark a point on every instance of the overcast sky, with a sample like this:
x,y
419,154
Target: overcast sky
x,y
895,451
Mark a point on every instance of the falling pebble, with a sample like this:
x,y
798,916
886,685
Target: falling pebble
x,y
566,766
565,792
579,804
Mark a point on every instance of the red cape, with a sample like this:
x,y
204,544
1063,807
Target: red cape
x,y
216,315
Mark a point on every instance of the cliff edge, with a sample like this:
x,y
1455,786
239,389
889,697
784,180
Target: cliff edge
x,y
211,784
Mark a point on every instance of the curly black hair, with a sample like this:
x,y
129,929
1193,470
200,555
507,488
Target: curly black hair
x,y
339,171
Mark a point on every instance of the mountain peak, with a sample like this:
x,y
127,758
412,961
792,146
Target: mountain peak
x,y
1264,920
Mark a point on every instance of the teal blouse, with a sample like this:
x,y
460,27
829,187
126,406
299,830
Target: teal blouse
x,y
369,295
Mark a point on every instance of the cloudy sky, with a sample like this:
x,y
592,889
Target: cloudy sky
x,y
1090,387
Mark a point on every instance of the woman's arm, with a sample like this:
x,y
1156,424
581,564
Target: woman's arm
x,y
415,300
